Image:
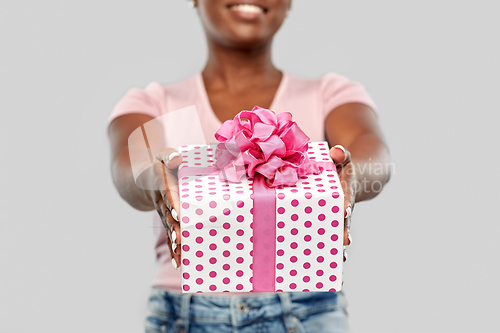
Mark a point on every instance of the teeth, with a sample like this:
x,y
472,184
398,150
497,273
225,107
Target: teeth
x,y
248,8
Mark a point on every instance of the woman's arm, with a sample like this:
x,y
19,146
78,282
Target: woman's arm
x,y
364,167
156,187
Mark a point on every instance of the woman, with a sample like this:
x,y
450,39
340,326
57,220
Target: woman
x,y
238,75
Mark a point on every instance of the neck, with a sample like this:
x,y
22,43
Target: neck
x,y
235,69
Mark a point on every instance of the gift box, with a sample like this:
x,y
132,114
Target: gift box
x,y
244,232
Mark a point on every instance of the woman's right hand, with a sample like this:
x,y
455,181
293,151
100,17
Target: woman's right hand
x,y
164,192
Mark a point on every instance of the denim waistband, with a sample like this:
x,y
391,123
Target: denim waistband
x,y
240,310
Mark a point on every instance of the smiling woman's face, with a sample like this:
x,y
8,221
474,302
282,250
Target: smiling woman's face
x,y
242,23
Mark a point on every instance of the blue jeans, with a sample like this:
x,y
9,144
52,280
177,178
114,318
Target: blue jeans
x,y
301,312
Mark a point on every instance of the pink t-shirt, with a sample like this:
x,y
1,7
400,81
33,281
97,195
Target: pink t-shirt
x,y
309,101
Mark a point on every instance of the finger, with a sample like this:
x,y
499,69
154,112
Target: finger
x,y
340,155
176,233
176,258
171,193
170,157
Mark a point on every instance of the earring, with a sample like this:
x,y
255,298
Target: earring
x,y
287,12
191,3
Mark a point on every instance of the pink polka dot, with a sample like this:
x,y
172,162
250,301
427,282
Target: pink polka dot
x,y
199,254
307,224
185,234
281,210
239,273
333,251
281,239
308,210
240,204
185,275
199,240
322,202
279,279
306,265
185,205
307,238
280,266
294,245
240,232
294,231
333,278
212,218
199,281
212,204
199,268
212,274
335,223
335,209
199,211
293,272
335,195
226,211
213,287
199,197
213,246
226,267
305,290
308,195
239,286
226,197
307,252
334,238
239,260
294,217
319,285
212,232
321,245
199,225
333,265
226,239
293,286
226,280
239,246
281,196
320,259
185,287
294,190
281,224
240,218
321,217
293,259
226,253
321,231
306,278
185,262
185,219
185,248
319,272
226,226
213,260
280,252
295,202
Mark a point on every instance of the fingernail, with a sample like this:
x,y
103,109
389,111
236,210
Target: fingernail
x,y
174,263
348,212
174,237
345,255
340,147
349,238
174,154
174,247
174,215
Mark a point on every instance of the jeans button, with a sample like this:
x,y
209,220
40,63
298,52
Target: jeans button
x,y
242,307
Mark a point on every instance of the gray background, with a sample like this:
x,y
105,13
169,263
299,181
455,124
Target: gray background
x,y
74,257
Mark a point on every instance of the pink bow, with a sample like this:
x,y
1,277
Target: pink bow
x,y
264,142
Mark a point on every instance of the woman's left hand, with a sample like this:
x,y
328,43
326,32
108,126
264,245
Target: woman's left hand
x,y
347,175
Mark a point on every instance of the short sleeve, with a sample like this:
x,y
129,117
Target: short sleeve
x,y
148,101
338,90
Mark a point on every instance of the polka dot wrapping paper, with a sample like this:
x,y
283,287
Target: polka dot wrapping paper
x,y
217,229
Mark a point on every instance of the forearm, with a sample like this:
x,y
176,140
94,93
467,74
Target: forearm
x,y
123,179
371,160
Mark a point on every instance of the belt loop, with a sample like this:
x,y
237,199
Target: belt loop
x,y
183,321
286,305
